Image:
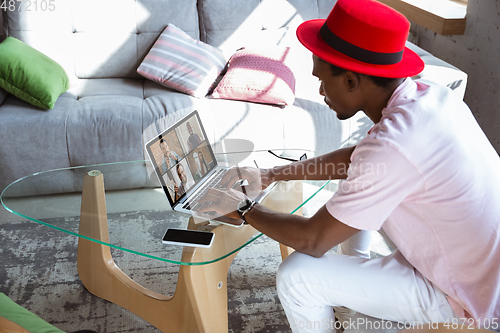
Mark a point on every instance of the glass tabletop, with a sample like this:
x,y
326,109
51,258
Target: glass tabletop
x,y
138,217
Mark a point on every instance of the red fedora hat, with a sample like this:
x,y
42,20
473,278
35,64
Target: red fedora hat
x,y
363,36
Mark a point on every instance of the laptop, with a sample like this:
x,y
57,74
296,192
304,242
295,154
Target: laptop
x,y
185,164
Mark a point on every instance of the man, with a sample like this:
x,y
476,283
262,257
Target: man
x,y
169,158
437,196
194,139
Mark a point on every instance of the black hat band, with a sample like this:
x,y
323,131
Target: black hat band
x,y
358,53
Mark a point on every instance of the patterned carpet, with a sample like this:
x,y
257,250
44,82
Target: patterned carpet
x,y
38,271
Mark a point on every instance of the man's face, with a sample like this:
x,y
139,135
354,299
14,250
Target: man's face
x,y
164,147
335,89
190,130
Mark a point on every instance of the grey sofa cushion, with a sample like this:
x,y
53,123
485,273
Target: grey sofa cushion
x,y
99,121
261,124
230,25
35,141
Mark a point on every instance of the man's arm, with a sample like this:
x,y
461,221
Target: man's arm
x,y
313,236
329,166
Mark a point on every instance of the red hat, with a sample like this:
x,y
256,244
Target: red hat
x,y
363,36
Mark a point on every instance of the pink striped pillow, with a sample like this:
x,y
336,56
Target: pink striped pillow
x,y
259,75
182,63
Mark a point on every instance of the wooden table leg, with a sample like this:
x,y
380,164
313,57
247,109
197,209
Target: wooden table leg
x,y
200,300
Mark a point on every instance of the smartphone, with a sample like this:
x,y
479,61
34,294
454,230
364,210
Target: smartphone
x,y
192,238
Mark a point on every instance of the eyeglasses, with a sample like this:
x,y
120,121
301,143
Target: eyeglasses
x,y
302,158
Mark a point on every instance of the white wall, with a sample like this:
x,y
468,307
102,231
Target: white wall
x,y
477,53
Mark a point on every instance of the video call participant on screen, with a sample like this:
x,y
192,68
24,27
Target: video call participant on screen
x,y
203,163
181,188
169,158
194,139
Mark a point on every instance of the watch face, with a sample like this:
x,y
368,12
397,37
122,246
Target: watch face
x,y
244,204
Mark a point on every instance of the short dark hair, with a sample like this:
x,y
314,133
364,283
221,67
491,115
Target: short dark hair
x,y
382,82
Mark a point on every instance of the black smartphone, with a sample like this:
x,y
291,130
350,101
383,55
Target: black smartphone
x,y
192,238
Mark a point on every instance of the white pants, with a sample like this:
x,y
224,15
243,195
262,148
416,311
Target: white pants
x,y
387,288
358,245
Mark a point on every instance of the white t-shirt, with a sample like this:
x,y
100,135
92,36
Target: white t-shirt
x,y
428,175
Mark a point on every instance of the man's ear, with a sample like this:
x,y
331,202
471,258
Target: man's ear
x,y
351,79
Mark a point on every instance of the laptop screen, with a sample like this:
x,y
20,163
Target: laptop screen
x,y
181,156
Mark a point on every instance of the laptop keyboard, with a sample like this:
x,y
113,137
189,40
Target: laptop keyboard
x,y
193,202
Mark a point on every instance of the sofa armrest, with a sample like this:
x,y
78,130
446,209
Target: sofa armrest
x,y
3,95
441,72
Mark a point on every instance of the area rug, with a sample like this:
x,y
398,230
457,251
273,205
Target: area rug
x,y
38,271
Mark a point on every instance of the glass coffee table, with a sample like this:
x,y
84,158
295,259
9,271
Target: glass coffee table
x,y
200,300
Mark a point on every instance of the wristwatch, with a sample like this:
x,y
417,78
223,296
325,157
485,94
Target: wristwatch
x,y
244,207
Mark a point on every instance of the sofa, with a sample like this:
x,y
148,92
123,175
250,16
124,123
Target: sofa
x,y
111,110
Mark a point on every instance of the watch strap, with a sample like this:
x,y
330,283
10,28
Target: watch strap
x,y
245,209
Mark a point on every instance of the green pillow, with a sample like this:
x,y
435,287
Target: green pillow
x,y
22,317
30,75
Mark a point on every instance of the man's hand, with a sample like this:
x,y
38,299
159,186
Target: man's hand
x,y
258,179
224,202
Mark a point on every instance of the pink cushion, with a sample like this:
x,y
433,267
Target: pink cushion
x,y
182,63
258,75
